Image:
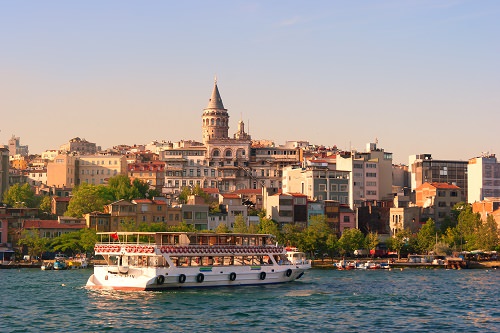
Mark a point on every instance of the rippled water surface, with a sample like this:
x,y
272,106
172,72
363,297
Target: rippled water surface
x,y
412,300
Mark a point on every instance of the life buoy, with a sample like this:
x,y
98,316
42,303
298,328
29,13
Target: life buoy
x,y
232,276
262,275
288,272
151,249
160,279
182,278
162,249
200,278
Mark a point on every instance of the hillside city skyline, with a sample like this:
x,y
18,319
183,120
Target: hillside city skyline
x,y
396,159
421,77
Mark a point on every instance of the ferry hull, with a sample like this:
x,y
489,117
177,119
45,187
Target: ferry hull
x,y
193,279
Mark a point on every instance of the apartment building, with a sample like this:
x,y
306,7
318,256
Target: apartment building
x,y
425,169
437,200
79,146
483,177
371,174
317,181
152,173
72,170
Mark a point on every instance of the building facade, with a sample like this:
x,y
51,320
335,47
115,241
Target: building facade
x,y
483,177
424,169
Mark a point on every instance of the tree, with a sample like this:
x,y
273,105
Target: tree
x,y
351,240
152,227
467,227
487,234
120,188
426,237
19,196
222,228
332,244
68,242
31,239
182,227
88,198
399,240
88,239
372,240
240,225
128,224
315,236
144,190
268,226
46,205
290,234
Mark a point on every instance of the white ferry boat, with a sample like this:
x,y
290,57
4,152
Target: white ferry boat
x,y
165,260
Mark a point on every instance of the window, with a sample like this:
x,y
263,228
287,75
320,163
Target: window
x,y
334,188
343,188
347,218
371,174
322,187
188,215
200,215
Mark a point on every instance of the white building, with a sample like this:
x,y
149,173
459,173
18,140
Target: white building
x,y
483,178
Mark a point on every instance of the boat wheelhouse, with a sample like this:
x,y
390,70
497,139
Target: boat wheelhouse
x,y
164,260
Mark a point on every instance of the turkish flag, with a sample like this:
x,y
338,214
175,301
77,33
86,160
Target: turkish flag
x,y
114,236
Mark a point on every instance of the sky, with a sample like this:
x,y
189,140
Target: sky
x,y
417,76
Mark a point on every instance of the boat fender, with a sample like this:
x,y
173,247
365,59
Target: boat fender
x,y
200,277
288,272
262,275
182,278
232,276
160,279
300,275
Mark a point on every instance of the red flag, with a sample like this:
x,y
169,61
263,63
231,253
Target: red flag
x,y
114,236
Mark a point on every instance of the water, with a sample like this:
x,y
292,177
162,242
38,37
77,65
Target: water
x,y
412,300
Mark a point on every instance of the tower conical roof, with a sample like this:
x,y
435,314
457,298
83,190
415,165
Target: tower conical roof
x,y
215,102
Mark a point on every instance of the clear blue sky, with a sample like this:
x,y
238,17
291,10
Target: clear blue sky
x,y
421,76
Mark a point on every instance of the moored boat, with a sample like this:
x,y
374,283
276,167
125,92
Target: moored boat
x,y
164,260
59,264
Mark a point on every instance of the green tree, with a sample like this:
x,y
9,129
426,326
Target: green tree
x,y
399,240
31,239
372,240
19,196
468,226
120,188
222,228
487,234
332,245
240,225
128,224
182,227
152,227
144,190
315,236
46,205
88,239
68,242
88,198
289,235
268,226
426,237
351,240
